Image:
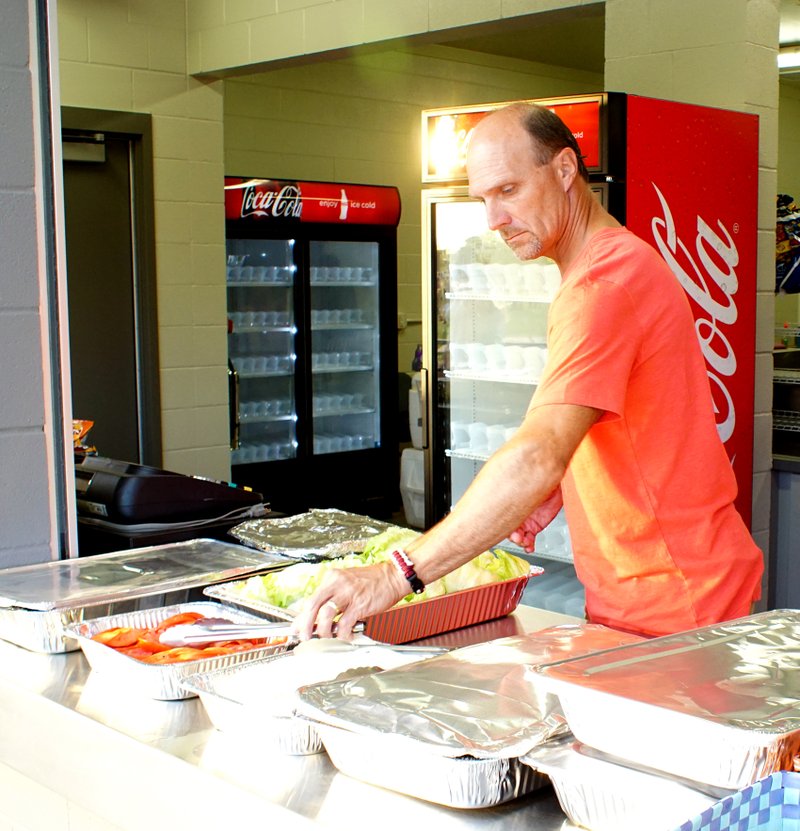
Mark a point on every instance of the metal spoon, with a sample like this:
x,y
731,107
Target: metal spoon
x,y
326,645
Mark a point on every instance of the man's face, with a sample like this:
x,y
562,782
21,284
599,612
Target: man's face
x,y
525,201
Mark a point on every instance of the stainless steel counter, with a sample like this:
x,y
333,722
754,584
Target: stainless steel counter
x,y
77,752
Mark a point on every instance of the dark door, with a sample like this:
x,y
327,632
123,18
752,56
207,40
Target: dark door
x,y
100,279
111,284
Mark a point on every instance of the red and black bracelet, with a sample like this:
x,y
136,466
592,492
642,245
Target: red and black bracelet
x,y
403,563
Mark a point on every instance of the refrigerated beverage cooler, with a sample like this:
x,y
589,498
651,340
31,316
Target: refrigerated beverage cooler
x,y
312,344
684,178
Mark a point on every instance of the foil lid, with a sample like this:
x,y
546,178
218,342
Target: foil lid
x,y
483,701
742,674
318,534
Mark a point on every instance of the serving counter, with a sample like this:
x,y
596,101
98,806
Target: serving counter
x,y
79,753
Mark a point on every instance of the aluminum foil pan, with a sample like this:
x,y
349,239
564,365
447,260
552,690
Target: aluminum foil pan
x,y
602,795
457,783
482,701
718,705
406,621
256,700
160,681
38,602
48,632
318,534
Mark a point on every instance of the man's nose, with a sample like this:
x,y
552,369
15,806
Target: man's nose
x,y
496,217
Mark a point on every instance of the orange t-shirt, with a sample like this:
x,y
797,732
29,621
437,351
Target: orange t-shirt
x,y
658,543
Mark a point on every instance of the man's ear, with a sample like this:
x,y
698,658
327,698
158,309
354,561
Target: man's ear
x,y
566,166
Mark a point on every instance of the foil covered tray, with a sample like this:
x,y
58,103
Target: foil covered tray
x,y
481,701
318,534
718,705
454,782
603,795
256,700
39,602
159,681
408,621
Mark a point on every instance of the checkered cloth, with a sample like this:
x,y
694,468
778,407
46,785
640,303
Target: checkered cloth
x,y
773,804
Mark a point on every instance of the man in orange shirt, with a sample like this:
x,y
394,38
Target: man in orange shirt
x,y
621,426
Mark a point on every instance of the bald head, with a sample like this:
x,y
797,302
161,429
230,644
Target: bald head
x,y
546,131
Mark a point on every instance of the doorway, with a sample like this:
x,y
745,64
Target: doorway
x,y
108,209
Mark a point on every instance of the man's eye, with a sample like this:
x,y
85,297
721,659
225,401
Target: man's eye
x,y
507,189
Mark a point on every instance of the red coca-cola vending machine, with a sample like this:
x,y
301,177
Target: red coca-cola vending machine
x,y
312,343
681,176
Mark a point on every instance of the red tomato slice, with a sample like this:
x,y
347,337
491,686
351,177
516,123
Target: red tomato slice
x,y
177,620
175,655
118,637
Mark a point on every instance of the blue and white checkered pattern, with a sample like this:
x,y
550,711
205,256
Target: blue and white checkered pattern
x,y
773,804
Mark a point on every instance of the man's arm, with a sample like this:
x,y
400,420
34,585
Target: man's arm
x,y
521,475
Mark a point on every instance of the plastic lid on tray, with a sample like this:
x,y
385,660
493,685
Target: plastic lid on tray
x,y
136,572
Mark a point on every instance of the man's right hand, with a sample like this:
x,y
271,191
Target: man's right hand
x,y
542,516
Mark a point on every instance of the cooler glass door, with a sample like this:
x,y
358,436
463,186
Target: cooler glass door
x,y
261,347
490,348
345,354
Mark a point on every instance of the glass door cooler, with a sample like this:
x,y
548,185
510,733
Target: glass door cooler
x,y
312,315
488,348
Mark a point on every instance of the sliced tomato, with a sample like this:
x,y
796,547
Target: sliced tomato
x,y
177,620
135,652
175,655
151,645
119,636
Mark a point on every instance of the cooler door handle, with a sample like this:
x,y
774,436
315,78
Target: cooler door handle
x,y
233,403
423,406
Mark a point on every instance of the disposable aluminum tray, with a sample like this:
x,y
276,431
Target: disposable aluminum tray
x,y
481,701
160,681
409,621
718,705
454,782
38,603
602,795
318,534
256,700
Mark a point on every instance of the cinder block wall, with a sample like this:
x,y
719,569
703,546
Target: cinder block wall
x,y
131,56
26,527
358,120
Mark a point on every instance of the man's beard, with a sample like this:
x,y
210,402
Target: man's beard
x,y
524,244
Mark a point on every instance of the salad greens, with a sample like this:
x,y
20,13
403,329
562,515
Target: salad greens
x,y
289,587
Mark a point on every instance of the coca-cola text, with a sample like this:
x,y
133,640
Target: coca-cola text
x,y
286,202
719,258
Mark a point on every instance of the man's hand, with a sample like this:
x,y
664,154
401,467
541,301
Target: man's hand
x,y
349,595
542,516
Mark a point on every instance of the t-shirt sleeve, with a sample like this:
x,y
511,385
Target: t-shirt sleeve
x,y
593,345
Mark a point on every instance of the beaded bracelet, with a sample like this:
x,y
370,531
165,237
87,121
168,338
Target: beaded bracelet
x,y
404,565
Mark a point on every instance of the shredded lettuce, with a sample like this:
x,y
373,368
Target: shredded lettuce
x,y
289,587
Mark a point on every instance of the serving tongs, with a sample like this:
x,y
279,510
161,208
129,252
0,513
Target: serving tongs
x,y
212,631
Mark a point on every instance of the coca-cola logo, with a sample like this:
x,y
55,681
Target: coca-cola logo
x,y
711,283
286,203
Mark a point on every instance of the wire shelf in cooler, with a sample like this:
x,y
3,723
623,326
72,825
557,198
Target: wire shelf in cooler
x,y
468,455
324,327
786,376
786,421
493,376
251,284
269,373
494,297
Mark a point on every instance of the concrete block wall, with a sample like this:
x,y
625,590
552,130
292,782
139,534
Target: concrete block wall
x,y
130,55
358,120
242,33
26,528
